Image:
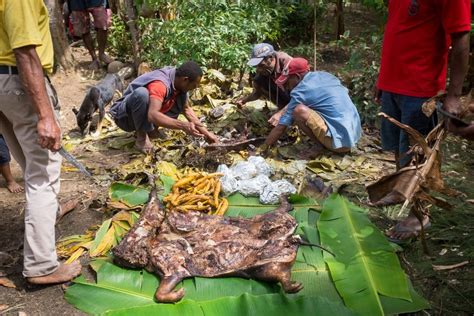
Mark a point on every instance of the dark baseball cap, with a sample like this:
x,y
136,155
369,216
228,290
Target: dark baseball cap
x,y
259,52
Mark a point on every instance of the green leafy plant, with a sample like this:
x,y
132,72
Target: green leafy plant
x,y
219,37
365,266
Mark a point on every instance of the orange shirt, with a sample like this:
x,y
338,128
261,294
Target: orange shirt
x,y
157,91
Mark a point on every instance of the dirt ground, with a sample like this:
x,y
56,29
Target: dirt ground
x,y
449,291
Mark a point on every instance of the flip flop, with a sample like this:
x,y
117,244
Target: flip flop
x,y
404,229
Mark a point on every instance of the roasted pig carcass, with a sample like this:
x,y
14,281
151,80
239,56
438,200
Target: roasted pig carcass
x,y
178,245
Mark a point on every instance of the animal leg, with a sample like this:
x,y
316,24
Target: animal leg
x,y
279,272
165,293
101,121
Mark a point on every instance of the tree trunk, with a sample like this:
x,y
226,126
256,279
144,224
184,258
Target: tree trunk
x,y
63,58
339,19
131,17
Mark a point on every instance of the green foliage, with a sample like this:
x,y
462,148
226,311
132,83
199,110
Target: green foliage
x,y
118,39
219,36
361,73
365,265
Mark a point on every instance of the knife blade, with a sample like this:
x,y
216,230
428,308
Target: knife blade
x,y
73,161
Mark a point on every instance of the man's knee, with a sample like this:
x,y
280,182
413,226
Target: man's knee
x,y
140,96
300,113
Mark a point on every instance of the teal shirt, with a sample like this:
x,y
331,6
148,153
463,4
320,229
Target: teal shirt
x,y
324,93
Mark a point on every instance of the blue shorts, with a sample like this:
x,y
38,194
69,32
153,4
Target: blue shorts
x,y
4,152
406,110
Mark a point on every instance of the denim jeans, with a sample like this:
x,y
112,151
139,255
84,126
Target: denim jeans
x,y
406,110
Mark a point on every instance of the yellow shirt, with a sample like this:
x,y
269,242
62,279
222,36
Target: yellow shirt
x,y
24,23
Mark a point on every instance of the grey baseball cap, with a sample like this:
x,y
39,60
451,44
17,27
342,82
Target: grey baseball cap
x,y
259,52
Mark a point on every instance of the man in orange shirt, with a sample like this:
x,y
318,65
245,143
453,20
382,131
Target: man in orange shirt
x,y
156,99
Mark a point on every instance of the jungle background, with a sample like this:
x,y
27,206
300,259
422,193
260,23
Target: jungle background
x,y
342,37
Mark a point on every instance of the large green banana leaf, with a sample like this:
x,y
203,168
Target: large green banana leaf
x,y
365,264
130,292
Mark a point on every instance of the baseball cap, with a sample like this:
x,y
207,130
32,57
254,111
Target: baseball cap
x,y
259,52
296,65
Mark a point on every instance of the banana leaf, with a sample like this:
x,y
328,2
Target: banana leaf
x,y
364,265
128,194
130,292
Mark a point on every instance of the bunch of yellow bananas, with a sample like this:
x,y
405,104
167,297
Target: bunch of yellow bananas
x,y
197,192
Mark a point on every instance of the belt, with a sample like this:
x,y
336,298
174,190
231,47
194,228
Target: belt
x,y
8,70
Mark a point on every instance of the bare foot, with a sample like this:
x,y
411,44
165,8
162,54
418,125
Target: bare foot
x,y
65,272
408,228
105,59
143,143
94,65
156,134
66,207
14,187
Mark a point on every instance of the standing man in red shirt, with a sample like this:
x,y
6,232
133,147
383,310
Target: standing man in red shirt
x,y
414,65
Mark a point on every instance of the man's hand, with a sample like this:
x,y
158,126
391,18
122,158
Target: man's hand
x,y
212,138
240,102
190,129
452,105
49,134
263,150
275,118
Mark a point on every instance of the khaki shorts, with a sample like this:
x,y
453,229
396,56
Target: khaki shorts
x,y
81,20
319,128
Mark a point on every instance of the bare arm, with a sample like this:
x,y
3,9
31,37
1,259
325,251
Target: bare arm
x,y
192,117
32,78
459,64
160,119
275,134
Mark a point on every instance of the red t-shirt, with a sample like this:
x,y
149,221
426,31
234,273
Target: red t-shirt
x,y
416,44
157,90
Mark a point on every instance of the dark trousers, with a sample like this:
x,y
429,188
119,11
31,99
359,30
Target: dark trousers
x,y
4,152
271,91
406,110
131,114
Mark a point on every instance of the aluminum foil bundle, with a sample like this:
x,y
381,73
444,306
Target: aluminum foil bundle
x,y
271,193
228,182
244,170
262,166
254,186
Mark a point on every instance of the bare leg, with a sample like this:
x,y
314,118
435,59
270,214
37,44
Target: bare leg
x,y
64,273
165,292
89,43
12,186
102,43
143,143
